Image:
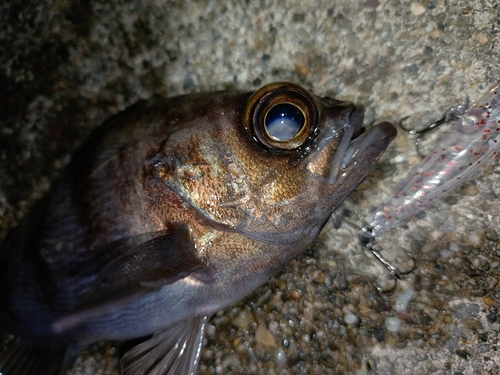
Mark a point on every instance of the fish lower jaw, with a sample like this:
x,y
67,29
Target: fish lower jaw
x,y
377,137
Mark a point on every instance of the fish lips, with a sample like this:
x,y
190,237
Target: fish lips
x,y
361,154
367,147
357,150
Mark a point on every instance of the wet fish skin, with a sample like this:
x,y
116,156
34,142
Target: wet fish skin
x,y
170,212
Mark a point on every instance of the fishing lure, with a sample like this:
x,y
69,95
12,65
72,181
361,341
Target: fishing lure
x,y
473,139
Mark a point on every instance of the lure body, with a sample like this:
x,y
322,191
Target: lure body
x,y
473,140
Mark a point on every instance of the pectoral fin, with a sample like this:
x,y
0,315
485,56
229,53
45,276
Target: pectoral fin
x,y
144,265
174,351
147,264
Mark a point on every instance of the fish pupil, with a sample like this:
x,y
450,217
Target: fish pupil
x,y
284,121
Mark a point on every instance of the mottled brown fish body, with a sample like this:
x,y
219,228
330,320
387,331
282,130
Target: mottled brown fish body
x,y
172,211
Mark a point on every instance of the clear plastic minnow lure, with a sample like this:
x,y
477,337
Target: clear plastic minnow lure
x,y
474,138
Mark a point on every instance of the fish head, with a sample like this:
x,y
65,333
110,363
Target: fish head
x,y
273,164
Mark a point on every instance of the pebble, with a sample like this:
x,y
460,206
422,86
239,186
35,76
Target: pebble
x,y
321,278
273,326
243,319
392,324
296,294
403,300
483,336
489,301
280,357
282,285
447,319
417,9
451,343
449,286
464,310
461,353
429,366
491,234
231,361
414,160
435,34
264,336
446,254
492,318
471,190
351,318
472,323
482,38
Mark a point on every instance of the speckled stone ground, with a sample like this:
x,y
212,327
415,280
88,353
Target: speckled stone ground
x,y
65,66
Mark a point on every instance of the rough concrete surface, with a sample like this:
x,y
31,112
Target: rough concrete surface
x,y
67,65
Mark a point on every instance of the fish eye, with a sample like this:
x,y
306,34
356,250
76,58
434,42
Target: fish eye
x,y
283,121
281,117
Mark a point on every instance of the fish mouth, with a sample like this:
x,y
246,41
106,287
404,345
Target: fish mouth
x,y
376,139
364,148
359,149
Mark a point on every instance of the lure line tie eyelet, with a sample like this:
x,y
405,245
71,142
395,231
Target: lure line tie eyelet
x,y
451,115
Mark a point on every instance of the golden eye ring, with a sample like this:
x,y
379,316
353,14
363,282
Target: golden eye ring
x,y
281,117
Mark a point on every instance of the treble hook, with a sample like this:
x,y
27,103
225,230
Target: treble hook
x,y
452,114
367,240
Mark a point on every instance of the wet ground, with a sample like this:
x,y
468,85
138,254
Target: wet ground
x,y
65,66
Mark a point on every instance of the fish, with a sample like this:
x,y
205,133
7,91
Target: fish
x,y
172,210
